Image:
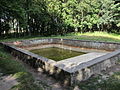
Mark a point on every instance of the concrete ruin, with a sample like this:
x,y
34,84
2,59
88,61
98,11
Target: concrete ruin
x,y
99,57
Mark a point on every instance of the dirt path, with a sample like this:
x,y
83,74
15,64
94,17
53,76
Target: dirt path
x,y
7,82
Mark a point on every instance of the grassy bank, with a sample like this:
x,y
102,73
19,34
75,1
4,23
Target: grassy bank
x,y
10,66
94,36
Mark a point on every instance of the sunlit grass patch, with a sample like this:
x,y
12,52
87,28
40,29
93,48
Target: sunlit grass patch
x,y
94,36
104,34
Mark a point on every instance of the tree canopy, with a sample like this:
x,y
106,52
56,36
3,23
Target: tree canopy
x,y
57,17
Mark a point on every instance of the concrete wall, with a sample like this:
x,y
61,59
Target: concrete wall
x,y
89,44
40,63
75,74
96,66
110,46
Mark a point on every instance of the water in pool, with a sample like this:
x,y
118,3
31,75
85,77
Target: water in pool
x,y
55,53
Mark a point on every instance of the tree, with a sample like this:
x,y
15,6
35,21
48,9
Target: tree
x,y
53,17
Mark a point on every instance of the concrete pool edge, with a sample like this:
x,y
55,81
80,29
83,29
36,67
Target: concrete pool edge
x,y
80,72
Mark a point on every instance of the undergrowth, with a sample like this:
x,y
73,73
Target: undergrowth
x,y
100,83
10,66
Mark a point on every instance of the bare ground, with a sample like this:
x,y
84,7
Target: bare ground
x,y
7,82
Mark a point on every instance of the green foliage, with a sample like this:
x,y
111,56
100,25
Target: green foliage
x,y
53,17
10,66
111,83
117,14
26,82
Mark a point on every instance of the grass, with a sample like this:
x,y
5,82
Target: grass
x,y
94,36
10,66
98,83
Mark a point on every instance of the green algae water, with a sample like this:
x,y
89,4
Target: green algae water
x,y
56,54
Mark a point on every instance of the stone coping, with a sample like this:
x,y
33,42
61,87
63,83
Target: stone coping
x,y
66,39
78,49
71,63
92,41
79,40
72,69
31,54
94,61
